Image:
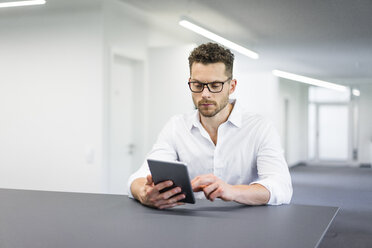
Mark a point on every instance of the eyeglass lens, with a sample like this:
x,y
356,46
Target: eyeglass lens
x,y
212,87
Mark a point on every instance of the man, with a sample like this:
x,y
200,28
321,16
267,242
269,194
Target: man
x,y
230,153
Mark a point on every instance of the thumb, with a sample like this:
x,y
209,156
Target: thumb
x,y
149,180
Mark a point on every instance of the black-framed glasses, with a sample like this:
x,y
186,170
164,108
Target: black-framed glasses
x,y
213,87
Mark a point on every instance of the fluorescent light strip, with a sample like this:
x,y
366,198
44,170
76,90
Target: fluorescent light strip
x,y
355,92
308,80
22,3
219,39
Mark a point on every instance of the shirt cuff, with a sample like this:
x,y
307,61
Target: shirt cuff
x,y
279,194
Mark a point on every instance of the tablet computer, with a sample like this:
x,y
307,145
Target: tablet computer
x,y
176,172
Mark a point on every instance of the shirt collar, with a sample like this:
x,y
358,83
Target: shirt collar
x,y
235,117
195,119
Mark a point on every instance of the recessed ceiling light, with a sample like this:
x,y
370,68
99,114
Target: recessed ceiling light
x,y
21,3
212,36
308,80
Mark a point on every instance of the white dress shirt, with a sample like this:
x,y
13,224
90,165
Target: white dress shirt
x,y
248,151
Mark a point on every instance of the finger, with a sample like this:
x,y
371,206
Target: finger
x,y
195,185
168,194
209,189
197,189
150,191
149,180
177,198
195,179
217,193
172,200
171,205
202,182
163,185
201,177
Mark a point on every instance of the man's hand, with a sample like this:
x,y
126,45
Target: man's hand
x,y
149,194
213,187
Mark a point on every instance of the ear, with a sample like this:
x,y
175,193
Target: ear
x,y
233,83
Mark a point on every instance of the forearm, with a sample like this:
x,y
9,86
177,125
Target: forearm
x,y
254,194
137,187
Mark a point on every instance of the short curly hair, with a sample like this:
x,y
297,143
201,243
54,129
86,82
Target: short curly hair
x,y
210,53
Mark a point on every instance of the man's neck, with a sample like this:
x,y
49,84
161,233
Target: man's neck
x,y
211,124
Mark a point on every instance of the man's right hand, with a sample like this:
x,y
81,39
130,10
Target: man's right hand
x,y
149,194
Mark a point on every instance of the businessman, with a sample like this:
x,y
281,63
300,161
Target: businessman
x,y
231,154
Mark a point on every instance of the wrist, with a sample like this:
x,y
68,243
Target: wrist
x,y
234,193
138,189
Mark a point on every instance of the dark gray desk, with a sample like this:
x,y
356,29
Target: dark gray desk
x,y
38,219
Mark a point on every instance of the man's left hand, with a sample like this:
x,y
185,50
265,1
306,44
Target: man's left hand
x,y
213,187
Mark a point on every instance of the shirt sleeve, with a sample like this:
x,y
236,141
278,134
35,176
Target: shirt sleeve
x,y
272,169
163,149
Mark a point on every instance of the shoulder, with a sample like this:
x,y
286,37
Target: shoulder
x,y
182,120
245,118
259,126
254,121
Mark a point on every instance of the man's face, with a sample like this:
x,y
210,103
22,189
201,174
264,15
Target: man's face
x,y
208,103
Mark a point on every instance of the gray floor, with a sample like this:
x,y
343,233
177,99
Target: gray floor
x,y
345,187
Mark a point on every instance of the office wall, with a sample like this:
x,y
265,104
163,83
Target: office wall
x,y
50,97
53,90
125,34
130,33
294,123
258,93
365,123
168,92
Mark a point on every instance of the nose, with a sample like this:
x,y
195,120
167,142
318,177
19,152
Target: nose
x,y
205,93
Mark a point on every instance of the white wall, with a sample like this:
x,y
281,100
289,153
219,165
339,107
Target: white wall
x,y
365,123
295,141
258,93
50,98
125,33
168,92
53,90
129,32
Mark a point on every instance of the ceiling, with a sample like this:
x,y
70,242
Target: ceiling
x,y
323,39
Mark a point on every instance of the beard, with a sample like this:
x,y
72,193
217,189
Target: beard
x,y
213,108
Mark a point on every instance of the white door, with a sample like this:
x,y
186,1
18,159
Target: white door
x,y
333,132
120,127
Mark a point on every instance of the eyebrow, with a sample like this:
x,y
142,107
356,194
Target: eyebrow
x,y
197,81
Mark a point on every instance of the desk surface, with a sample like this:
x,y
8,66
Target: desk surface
x,y
55,219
